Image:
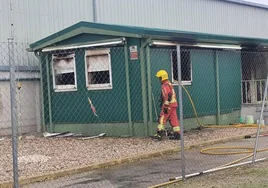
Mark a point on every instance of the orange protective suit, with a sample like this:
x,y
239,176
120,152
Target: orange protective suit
x,y
169,108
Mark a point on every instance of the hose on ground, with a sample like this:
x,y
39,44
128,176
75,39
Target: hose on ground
x,y
238,125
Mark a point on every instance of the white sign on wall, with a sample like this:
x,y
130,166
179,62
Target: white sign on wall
x,y
133,52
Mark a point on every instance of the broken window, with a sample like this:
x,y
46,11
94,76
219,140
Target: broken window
x,y
98,69
64,73
186,68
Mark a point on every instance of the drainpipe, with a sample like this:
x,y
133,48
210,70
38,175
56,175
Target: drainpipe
x,y
217,87
94,11
130,124
143,83
43,127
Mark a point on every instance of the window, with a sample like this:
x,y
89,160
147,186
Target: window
x,y
98,69
186,68
64,72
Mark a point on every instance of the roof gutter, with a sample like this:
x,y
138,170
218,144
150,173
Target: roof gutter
x,y
200,45
86,45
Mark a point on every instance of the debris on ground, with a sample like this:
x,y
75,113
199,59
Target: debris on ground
x,y
69,152
61,135
97,136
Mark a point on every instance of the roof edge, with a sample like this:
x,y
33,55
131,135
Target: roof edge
x,y
248,3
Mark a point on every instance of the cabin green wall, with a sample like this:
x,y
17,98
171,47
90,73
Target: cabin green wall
x,y
71,110
203,87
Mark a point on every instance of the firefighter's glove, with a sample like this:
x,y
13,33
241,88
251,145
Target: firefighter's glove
x,y
166,110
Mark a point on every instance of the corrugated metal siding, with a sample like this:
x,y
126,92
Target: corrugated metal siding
x,y
4,20
35,19
210,16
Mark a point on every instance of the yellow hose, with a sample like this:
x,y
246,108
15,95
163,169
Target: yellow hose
x,y
212,151
238,125
215,151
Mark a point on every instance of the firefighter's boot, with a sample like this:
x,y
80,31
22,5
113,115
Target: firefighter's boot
x,y
176,136
158,136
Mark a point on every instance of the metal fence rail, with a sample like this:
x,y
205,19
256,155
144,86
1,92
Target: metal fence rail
x,y
87,93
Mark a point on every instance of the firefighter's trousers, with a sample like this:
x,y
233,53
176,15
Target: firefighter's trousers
x,y
172,117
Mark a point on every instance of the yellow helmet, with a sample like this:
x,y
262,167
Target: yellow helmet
x,y
162,74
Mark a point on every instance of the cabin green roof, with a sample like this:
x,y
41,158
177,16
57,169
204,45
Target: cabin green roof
x,y
142,32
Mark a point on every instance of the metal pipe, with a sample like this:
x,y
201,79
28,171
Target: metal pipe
x,y
260,120
181,111
94,11
217,87
13,112
149,82
130,127
49,95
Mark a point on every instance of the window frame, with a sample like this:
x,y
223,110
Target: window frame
x,y
64,88
106,86
185,82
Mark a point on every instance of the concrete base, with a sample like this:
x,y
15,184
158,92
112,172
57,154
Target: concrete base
x,y
138,129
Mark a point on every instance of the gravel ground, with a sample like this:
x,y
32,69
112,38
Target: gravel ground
x,y
39,155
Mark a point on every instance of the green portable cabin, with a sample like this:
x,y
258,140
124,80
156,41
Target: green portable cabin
x,y
115,66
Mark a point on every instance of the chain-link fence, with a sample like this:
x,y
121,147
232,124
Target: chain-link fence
x,y
217,95
85,108
20,103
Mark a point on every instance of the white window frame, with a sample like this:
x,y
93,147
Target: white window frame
x,y
64,88
99,86
184,82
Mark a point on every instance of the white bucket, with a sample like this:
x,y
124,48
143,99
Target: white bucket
x,y
249,120
262,122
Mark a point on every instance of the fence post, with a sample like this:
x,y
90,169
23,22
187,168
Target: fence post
x,y
181,111
14,122
261,117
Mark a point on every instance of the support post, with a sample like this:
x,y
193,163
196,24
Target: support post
x,y
181,111
144,90
130,125
149,83
43,126
217,87
49,95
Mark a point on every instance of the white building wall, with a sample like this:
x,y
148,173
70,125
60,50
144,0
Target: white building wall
x,y
208,16
28,107
36,19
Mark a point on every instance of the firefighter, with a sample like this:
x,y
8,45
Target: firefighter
x,y
169,107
